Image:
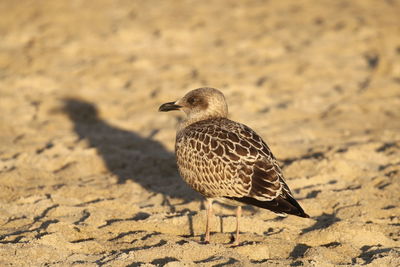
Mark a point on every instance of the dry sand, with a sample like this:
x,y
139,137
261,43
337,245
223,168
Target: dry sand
x,y
87,171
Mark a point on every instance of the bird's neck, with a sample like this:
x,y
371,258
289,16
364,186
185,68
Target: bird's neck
x,y
193,118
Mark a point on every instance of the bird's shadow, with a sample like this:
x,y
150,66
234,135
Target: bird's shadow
x,y
128,155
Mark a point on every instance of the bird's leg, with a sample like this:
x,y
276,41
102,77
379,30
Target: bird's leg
x,y
238,214
209,214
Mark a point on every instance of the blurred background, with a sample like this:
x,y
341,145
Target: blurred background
x,y
83,146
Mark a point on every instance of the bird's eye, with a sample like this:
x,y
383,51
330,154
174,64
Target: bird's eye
x,y
192,100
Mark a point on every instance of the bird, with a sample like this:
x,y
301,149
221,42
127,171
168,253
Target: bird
x,y
225,160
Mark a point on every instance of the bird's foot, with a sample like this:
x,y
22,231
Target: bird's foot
x,y
235,241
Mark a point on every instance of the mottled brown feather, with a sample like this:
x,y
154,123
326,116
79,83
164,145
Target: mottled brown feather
x,y
226,151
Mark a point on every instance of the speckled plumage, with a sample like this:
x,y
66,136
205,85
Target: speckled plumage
x,y
223,159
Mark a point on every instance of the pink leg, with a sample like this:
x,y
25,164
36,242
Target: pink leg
x,y
209,214
238,214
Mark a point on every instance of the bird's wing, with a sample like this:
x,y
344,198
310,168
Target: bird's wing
x,y
229,159
207,162
268,187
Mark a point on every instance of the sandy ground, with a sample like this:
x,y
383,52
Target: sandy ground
x,y
87,170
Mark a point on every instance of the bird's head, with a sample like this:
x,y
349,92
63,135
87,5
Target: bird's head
x,y
200,104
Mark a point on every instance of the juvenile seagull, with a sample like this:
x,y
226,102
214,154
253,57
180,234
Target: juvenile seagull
x,y
226,160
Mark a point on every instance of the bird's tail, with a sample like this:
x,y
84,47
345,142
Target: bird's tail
x,y
280,205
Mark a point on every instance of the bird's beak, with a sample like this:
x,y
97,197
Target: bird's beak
x,y
169,106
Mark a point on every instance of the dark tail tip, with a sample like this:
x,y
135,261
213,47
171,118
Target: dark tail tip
x,y
297,207
304,215
286,205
